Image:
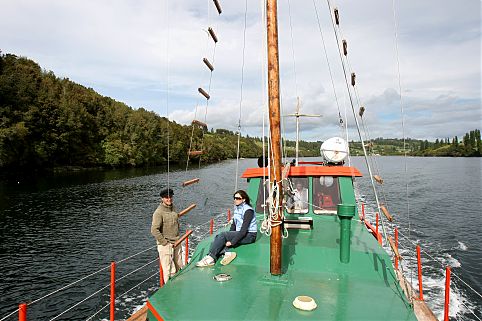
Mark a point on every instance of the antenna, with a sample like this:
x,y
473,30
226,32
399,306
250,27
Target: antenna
x,y
298,115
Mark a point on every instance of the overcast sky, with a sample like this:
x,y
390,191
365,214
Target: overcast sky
x,y
148,53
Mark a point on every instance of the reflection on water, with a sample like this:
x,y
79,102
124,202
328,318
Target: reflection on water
x,y
56,229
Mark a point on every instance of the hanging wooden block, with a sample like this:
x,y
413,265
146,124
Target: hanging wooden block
x,y
353,76
199,123
186,210
195,153
361,111
208,64
386,213
212,34
345,47
369,145
218,6
182,238
204,93
394,248
337,17
190,182
378,179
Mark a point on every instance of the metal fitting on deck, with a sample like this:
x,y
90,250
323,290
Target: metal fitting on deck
x,y
345,213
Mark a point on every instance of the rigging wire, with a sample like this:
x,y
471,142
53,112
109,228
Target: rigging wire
x,y
293,48
167,92
328,64
395,22
356,120
241,93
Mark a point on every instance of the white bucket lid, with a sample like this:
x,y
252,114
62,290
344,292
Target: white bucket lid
x,y
305,303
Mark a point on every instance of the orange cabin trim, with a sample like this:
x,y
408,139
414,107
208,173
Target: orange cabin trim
x,y
154,312
307,171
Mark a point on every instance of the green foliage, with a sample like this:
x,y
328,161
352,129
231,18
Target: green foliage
x,y
469,147
46,121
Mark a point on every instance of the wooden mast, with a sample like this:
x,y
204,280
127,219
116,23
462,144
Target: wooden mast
x,y
275,132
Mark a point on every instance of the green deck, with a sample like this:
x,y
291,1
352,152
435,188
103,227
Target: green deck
x,y
364,289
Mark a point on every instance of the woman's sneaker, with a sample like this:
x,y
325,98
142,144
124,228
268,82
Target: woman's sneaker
x,y
228,258
206,261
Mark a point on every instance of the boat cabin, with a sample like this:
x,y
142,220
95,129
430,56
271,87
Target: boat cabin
x,y
311,190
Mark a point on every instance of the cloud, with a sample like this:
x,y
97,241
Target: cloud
x,y
149,54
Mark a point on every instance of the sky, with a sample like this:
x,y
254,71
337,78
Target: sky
x,y
148,54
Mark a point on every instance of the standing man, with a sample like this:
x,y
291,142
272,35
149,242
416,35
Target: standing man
x,y
165,228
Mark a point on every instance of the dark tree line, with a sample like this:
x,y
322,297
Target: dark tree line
x,y
470,146
46,121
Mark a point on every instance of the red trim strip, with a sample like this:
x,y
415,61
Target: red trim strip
x,y
378,236
307,171
151,308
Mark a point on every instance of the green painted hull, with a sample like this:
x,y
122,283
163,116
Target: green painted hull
x,y
364,289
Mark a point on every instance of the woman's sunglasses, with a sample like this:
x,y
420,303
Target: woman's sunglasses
x,y
238,198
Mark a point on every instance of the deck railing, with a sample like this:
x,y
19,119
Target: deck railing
x,y
419,250
22,310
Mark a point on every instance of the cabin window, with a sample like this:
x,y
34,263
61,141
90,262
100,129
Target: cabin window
x,y
296,200
326,194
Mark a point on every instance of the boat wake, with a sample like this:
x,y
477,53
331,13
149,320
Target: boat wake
x,y
461,246
433,278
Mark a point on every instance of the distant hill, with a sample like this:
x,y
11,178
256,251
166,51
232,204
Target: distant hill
x,y
46,122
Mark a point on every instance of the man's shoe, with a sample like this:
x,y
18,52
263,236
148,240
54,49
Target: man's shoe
x,y
228,258
206,261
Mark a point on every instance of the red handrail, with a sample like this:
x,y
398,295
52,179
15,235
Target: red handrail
x,y
419,263
396,245
187,250
447,293
112,291
161,274
22,312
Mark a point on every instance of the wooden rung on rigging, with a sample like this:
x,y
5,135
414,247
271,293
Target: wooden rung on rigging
x,y
361,111
204,93
212,34
199,123
378,179
345,47
208,64
190,182
195,153
386,213
218,6
337,17
394,248
353,76
182,238
369,145
186,210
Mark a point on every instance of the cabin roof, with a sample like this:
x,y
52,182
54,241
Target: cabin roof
x,y
307,171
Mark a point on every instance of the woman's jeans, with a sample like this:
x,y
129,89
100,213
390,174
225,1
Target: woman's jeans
x,y
218,247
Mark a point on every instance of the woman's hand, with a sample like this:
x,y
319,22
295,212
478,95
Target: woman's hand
x,y
228,244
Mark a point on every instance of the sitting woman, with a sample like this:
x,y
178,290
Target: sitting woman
x,y
242,231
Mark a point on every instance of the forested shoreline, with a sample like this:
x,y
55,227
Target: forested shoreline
x,y
48,122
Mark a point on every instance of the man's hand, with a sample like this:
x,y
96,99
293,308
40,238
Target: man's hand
x,y
228,244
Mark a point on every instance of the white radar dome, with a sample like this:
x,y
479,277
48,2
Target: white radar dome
x,y
334,150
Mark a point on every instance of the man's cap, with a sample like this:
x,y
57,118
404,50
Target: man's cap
x,y
166,191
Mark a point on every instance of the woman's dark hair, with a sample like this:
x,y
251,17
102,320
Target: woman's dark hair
x,y
243,195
